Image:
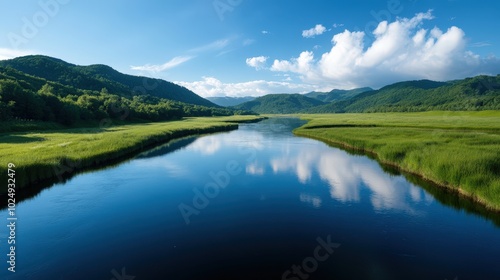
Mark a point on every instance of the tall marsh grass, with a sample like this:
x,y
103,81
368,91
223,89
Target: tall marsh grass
x,y
47,154
458,150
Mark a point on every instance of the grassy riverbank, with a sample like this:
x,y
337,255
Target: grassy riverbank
x,y
457,150
50,154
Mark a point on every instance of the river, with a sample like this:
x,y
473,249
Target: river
x,y
254,203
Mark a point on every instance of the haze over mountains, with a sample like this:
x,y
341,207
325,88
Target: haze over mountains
x,y
227,101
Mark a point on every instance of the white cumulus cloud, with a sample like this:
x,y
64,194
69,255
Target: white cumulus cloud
x,y
258,62
174,62
317,30
210,87
401,50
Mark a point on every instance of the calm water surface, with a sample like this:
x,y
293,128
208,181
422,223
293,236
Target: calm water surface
x,y
256,203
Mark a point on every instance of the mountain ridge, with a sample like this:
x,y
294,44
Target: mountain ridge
x,y
279,104
474,93
98,76
337,94
68,95
227,101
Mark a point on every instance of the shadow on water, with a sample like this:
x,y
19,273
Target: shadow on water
x,y
34,190
445,196
167,148
455,200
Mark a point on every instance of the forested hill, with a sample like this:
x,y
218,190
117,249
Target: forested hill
x,y
97,77
68,94
477,93
279,104
337,94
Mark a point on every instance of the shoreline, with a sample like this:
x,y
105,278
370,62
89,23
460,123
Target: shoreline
x,y
367,152
61,168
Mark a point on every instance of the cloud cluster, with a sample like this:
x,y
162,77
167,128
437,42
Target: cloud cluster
x,y
317,30
401,50
210,87
258,62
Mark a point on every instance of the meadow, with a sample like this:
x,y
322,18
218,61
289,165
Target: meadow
x,y
456,150
59,153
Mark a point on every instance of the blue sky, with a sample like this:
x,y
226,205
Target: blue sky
x,y
255,47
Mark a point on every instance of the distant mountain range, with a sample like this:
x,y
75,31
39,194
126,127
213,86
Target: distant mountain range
x,y
280,104
337,94
477,93
49,89
227,101
43,88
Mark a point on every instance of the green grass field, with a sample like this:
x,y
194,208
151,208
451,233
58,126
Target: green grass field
x,y
49,154
459,150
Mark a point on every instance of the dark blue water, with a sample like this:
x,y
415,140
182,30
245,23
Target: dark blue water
x,y
256,203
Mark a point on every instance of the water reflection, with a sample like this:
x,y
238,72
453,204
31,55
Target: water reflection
x,y
290,191
211,144
255,168
347,176
311,199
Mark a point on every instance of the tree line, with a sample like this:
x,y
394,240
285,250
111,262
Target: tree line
x,y
21,97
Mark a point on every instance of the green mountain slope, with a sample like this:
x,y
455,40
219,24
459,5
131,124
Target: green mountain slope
x,y
279,104
477,93
337,94
96,77
26,97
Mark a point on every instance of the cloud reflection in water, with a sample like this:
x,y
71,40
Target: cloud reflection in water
x,y
347,176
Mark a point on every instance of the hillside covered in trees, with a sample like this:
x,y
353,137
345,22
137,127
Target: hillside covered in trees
x,y
470,94
47,89
337,94
279,104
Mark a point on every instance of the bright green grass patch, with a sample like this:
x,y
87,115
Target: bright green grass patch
x,y
460,150
54,153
